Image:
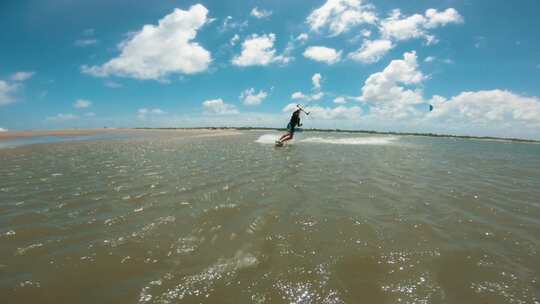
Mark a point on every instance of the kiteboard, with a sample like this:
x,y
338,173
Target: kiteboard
x,y
279,143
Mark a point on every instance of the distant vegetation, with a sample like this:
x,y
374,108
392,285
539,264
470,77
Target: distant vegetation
x,y
357,131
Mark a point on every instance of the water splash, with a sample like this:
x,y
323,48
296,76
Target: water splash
x,y
268,138
364,140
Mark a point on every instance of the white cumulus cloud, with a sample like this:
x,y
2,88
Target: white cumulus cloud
x,y
302,96
290,108
340,100
8,88
159,50
3,130
259,50
365,33
260,13
251,98
399,27
403,28
316,80
329,113
303,37
339,16
230,24
6,92
317,96
339,112
219,107
22,76
323,54
372,50
435,18
299,95
490,107
234,40
82,103
386,90
395,93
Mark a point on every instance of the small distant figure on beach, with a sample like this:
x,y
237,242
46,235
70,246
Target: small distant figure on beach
x,y
293,123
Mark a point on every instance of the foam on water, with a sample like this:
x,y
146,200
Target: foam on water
x,y
372,140
267,138
365,140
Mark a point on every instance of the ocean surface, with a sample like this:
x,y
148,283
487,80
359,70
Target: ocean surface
x,y
168,217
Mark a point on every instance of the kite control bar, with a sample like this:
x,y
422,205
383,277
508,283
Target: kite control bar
x,y
302,109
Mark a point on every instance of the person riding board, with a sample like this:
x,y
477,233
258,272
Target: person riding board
x,y
295,121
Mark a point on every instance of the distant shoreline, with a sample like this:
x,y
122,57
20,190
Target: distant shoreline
x,y
10,135
508,139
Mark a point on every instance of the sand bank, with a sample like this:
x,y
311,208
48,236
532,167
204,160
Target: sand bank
x,y
69,132
82,132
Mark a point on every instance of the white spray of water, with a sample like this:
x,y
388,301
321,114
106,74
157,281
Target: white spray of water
x,y
365,140
268,138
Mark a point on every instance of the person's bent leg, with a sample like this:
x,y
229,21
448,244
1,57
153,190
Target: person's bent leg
x,y
285,136
289,137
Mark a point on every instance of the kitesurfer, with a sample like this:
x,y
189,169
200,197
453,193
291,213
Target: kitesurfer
x,y
295,121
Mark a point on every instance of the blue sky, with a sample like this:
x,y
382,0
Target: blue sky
x,y
356,64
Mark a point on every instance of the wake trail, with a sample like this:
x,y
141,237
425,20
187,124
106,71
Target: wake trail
x,y
371,140
365,140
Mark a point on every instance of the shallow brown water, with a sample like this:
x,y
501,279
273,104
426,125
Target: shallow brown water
x,y
331,218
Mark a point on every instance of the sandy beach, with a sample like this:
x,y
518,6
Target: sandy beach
x,y
10,135
69,132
